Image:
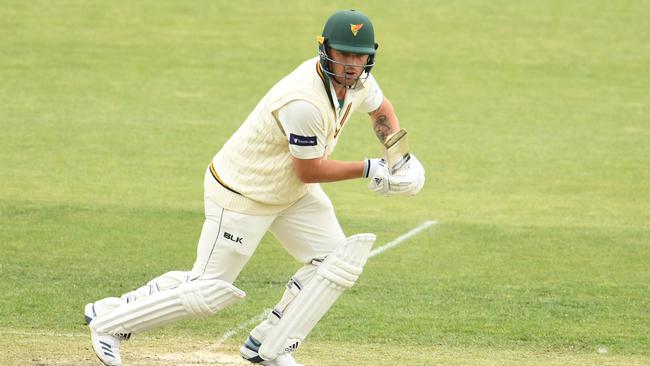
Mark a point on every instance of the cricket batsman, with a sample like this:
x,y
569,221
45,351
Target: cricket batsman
x,y
266,178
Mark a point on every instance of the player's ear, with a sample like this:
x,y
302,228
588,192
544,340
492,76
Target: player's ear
x,y
371,59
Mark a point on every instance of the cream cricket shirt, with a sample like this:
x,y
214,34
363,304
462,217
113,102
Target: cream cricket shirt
x,y
297,117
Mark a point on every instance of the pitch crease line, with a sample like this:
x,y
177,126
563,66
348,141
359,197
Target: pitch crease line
x,y
393,243
227,335
402,238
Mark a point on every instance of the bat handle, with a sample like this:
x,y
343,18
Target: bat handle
x,y
398,165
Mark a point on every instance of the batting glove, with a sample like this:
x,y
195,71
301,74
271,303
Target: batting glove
x,y
372,166
408,180
412,171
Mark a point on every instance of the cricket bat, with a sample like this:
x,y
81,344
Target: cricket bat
x,y
396,150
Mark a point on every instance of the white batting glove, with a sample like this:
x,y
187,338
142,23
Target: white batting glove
x,y
377,171
381,180
407,180
372,166
412,171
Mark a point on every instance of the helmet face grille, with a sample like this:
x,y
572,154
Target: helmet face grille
x,y
326,61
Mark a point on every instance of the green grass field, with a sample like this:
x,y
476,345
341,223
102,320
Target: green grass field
x,y
532,119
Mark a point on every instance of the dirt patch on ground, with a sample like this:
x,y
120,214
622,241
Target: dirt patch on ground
x,y
41,349
196,358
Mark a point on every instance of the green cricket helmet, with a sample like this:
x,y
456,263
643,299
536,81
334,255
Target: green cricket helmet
x,y
347,31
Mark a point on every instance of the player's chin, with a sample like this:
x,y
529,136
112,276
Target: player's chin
x,y
351,80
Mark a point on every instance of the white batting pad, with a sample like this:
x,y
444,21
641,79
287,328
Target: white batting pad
x,y
166,281
294,286
187,300
339,271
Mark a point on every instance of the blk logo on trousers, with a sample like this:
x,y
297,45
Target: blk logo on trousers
x,y
232,238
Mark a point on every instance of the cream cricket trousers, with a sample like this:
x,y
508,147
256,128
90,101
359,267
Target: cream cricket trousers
x,y
307,229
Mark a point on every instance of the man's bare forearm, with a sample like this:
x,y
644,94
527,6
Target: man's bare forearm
x,y
382,127
384,121
321,170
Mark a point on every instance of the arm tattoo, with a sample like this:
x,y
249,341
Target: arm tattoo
x,y
382,128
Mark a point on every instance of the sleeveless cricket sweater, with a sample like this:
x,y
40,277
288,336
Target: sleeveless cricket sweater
x,y
254,167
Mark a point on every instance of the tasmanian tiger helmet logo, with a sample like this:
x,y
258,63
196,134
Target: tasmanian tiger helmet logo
x,y
355,28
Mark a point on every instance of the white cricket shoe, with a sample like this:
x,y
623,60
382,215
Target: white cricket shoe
x,y
284,359
249,352
106,347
